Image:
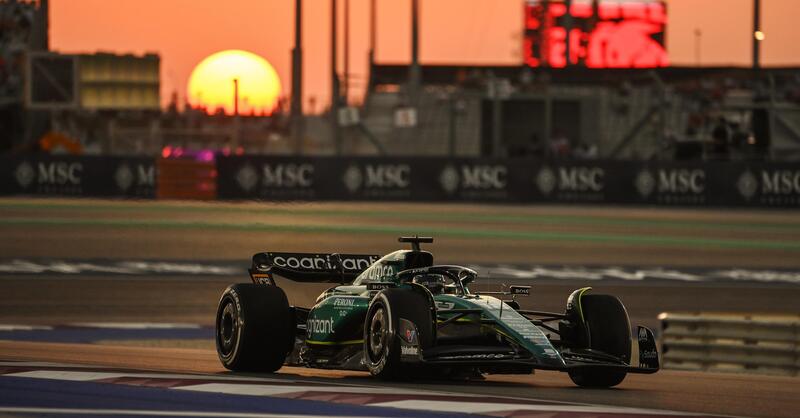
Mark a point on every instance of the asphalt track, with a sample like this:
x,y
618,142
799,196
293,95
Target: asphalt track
x,y
465,233
712,393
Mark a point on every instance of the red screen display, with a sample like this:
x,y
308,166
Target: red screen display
x,y
618,34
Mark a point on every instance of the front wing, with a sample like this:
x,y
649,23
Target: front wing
x,y
500,359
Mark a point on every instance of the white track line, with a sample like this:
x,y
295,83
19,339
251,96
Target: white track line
x,y
134,325
80,411
483,407
85,376
67,375
267,390
12,327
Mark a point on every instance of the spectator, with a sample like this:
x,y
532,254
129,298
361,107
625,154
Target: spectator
x,y
559,146
586,151
720,139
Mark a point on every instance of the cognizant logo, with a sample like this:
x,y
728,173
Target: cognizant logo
x,y
320,326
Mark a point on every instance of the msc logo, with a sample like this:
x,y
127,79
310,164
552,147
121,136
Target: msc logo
x,y
570,179
474,177
50,174
143,175
377,176
773,183
675,181
288,175
780,182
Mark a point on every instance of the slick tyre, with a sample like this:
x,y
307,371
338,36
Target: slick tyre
x,y
381,342
254,328
609,331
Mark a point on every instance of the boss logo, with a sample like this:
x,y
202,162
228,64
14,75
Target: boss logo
x,y
379,286
520,290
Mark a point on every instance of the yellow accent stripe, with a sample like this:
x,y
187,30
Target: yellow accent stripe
x,y
580,305
350,342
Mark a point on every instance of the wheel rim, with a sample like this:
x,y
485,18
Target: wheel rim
x,y
378,332
227,328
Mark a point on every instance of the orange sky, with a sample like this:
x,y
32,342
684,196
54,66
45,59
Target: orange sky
x,y
184,32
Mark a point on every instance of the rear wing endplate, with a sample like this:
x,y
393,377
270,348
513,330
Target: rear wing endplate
x,y
309,267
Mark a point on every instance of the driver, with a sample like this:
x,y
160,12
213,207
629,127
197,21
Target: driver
x,y
436,283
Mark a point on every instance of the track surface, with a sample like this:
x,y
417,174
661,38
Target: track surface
x,y
674,390
488,234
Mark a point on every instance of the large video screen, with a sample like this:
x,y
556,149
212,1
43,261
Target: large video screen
x,y
603,34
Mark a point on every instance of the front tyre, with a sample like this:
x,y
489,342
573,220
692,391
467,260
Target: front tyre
x,y
381,342
254,328
609,332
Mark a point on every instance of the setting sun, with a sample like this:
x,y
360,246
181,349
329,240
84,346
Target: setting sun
x,y
211,84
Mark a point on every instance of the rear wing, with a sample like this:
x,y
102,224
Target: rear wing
x,y
309,267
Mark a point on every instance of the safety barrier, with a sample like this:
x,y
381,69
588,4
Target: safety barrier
x,y
186,179
728,342
412,179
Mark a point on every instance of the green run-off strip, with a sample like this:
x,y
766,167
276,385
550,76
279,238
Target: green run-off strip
x,y
394,230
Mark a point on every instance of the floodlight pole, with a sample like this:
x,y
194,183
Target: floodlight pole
x,y
336,134
372,36
236,97
756,34
296,117
346,77
414,75
236,120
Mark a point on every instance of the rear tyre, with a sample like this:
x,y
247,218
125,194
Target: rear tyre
x,y
609,332
381,342
254,328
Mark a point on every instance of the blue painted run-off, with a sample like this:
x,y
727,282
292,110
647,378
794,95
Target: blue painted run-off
x,y
45,393
70,334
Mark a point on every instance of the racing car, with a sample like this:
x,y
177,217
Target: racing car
x,y
401,316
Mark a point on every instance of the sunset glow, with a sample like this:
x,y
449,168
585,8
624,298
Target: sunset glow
x,y
211,83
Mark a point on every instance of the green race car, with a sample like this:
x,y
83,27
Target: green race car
x,y
400,315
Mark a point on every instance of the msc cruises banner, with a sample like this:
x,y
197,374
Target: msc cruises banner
x,y
510,180
65,175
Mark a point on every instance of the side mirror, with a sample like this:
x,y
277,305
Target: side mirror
x,y
467,278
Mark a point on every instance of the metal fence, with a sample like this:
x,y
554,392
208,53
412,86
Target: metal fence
x,y
741,343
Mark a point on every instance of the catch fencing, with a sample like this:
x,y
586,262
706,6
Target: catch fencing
x,y
429,179
742,343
